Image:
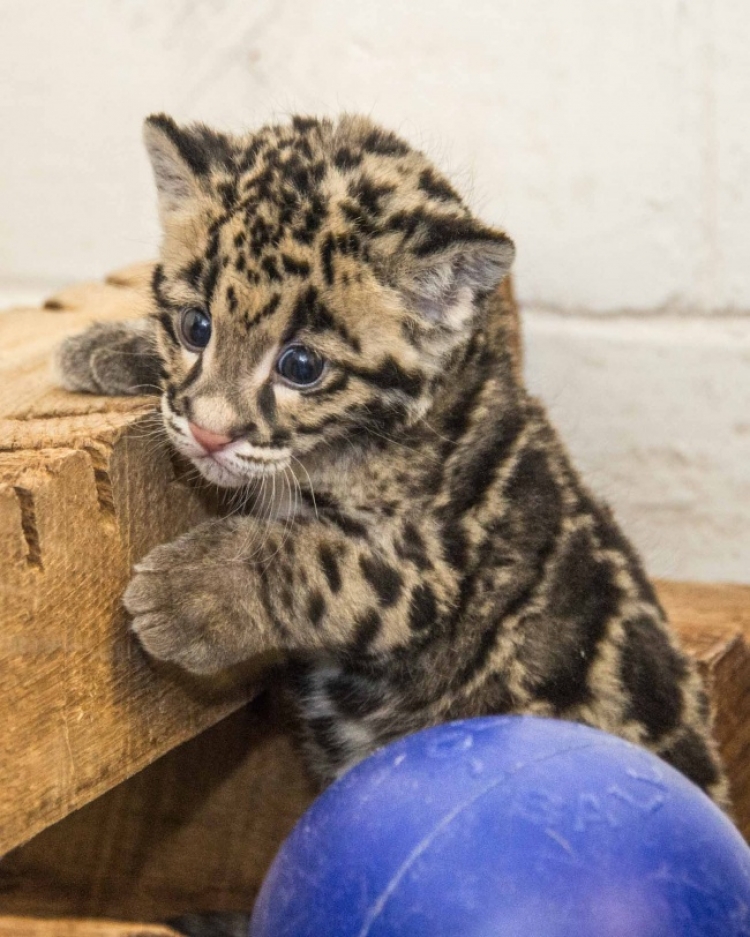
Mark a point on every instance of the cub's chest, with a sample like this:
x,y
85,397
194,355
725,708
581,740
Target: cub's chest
x,y
342,714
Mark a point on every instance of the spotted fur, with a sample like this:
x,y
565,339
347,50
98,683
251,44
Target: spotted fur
x,y
434,555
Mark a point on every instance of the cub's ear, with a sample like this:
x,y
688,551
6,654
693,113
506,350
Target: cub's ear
x,y
181,158
453,262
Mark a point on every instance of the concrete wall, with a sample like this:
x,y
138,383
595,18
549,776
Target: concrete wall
x,y
608,136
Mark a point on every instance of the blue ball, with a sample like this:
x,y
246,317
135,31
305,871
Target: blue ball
x,y
509,827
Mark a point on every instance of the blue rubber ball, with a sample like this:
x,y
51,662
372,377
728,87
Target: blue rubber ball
x,y
509,827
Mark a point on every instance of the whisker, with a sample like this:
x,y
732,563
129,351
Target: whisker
x,y
310,485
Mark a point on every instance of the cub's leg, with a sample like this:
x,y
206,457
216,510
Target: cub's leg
x,y
111,358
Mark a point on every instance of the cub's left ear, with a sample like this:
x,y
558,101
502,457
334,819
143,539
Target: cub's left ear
x,y
452,263
181,158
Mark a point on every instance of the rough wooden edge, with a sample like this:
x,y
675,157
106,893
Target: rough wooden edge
x,y
71,927
713,622
194,831
82,467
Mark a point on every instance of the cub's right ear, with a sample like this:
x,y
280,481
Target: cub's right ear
x,y
181,158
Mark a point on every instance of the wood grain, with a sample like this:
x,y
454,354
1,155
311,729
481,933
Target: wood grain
x,y
714,624
68,927
85,490
195,831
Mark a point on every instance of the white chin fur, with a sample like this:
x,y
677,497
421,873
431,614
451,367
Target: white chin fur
x,y
233,467
217,474
227,476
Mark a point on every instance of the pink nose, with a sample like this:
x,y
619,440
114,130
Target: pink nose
x,y
211,442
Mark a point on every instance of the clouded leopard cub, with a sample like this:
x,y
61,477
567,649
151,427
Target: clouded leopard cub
x,y
327,321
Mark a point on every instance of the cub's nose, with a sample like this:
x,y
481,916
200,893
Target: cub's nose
x,y
211,442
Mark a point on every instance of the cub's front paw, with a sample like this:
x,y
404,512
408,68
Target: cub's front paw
x,y
180,607
111,358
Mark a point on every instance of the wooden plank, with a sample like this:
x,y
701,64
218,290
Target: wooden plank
x,y
27,388
67,927
85,490
714,624
198,829
195,831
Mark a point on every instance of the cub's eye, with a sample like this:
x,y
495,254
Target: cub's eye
x,y
195,328
300,366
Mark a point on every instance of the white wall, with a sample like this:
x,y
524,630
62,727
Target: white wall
x,y
608,136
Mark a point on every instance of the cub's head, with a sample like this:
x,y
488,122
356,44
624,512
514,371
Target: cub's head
x,y
315,278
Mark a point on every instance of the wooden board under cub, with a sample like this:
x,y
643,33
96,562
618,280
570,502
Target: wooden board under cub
x,y
199,828
56,927
86,488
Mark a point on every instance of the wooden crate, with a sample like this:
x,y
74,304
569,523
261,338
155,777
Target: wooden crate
x,y
84,491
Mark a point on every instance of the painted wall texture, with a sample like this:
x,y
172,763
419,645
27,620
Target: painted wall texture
x,y
609,137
